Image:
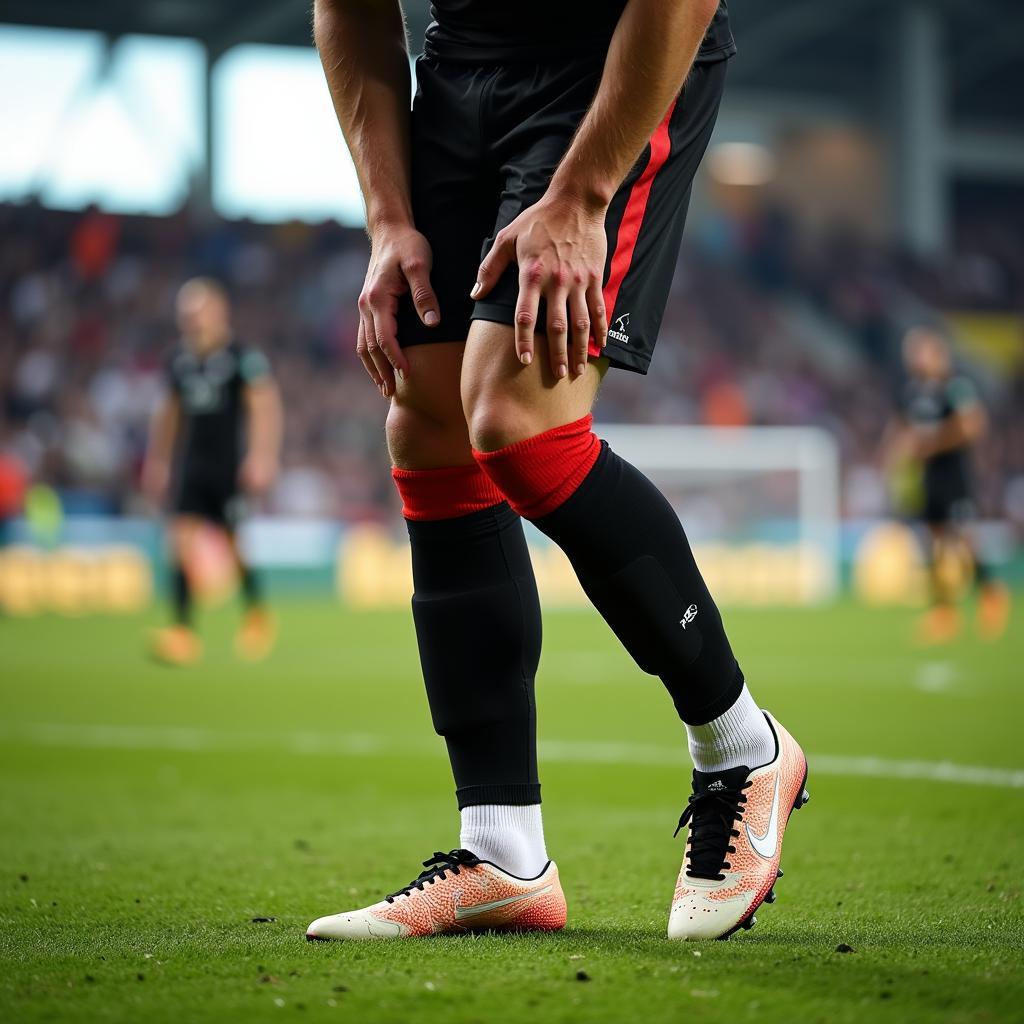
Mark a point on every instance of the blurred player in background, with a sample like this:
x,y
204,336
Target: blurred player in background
x,y
942,419
214,443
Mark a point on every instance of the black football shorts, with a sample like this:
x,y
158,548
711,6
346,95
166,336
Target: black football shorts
x,y
210,493
486,140
947,499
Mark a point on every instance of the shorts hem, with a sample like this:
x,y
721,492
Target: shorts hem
x,y
495,313
624,359
617,356
432,337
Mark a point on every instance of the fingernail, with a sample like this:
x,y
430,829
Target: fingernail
x,y
526,358
476,290
561,371
401,376
581,369
430,318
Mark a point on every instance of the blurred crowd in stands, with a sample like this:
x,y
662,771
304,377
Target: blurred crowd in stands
x,y
762,328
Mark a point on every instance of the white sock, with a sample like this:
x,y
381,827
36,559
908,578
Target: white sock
x,y
739,736
511,836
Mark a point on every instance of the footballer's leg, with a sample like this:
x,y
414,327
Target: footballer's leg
x,y
258,631
477,622
178,644
532,436
942,622
994,600
530,426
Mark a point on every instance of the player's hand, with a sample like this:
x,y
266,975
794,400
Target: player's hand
x,y
257,473
904,448
560,247
156,478
400,261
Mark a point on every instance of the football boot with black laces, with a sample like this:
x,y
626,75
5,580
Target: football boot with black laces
x,y
736,820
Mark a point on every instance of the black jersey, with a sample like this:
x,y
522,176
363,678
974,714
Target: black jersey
x,y
927,406
498,31
210,392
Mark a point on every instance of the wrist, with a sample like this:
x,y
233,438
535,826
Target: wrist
x,y
387,219
593,195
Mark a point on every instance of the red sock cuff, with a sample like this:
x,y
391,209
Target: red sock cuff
x,y
539,474
445,493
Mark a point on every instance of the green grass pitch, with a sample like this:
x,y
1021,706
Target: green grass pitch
x,y
149,816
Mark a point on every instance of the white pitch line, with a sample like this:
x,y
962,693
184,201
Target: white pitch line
x,y
190,739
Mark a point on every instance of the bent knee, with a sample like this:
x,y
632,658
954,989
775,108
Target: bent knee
x,y
417,440
496,421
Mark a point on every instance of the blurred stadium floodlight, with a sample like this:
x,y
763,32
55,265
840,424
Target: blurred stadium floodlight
x,y
278,152
121,124
91,121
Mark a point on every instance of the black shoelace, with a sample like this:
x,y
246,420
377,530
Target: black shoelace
x,y
711,815
438,866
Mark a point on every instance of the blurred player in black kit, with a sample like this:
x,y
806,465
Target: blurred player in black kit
x,y
214,444
942,418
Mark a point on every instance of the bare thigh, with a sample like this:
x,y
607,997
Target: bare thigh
x,y
505,401
426,427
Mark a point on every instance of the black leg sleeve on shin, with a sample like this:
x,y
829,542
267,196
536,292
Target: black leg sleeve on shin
x,y
252,588
477,619
181,596
632,557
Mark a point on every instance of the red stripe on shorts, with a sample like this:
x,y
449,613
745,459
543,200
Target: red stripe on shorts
x,y
633,217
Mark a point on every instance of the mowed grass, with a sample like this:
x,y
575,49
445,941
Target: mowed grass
x,y
149,816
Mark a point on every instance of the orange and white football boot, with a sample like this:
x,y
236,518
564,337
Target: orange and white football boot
x,y
457,893
176,645
993,610
256,636
736,819
939,625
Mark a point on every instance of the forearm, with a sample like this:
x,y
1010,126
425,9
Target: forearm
x,y
162,433
363,50
651,54
265,422
960,430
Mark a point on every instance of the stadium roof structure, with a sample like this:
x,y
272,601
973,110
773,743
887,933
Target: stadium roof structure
x,y
838,49
934,80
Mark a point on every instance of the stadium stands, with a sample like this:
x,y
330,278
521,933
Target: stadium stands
x,y
763,328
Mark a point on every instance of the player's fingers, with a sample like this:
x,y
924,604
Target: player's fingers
x,y
558,331
499,256
526,315
387,340
579,326
380,360
598,314
362,351
417,273
385,350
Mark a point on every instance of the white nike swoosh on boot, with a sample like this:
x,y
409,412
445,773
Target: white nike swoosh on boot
x,y
766,844
481,908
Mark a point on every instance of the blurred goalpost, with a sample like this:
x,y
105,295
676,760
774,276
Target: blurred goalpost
x,y
760,506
